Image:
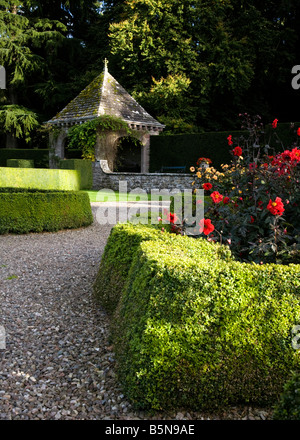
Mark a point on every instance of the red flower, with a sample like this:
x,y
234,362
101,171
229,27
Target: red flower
x,y
172,218
207,186
296,153
274,123
206,226
216,196
237,151
298,131
226,200
204,160
229,139
251,219
276,207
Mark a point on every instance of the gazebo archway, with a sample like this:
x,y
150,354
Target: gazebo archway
x,y
128,155
105,96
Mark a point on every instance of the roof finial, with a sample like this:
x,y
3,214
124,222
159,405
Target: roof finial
x,y
106,65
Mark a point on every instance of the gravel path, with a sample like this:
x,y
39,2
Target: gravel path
x,y
58,362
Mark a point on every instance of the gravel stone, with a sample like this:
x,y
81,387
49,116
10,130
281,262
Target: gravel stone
x,y
59,362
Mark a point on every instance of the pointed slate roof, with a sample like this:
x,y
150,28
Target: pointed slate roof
x,y
105,96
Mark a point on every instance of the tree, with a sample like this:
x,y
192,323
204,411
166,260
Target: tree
x,y
21,41
231,54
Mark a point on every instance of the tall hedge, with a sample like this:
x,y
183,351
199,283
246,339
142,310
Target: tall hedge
x,y
84,166
40,157
196,329
38,178
32,211
185,149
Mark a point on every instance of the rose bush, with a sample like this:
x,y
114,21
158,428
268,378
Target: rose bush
x,y
254,203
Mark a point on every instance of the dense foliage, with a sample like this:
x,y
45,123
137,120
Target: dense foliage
x,y
192,64
192,327
254,201
23,211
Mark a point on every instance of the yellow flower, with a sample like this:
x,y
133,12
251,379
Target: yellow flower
x,y
233,187
199,174
192,169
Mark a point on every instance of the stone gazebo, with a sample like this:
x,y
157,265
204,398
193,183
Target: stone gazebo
x,y
105,96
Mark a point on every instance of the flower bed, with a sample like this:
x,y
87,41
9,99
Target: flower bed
x,y
23,211
254,202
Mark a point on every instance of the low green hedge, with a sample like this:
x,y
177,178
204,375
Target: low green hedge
x,y
82,165
288,407
39,178
40,157
193,328
32,211
119,251
20,163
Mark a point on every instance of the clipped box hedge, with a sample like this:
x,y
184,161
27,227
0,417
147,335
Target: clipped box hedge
x,y
192,327
23,211
185,149
39,178
82,165
40,157
20,163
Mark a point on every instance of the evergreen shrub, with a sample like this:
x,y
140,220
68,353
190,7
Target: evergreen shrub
x,y
20,163
191,326
82,165
40,157
23,211
38,178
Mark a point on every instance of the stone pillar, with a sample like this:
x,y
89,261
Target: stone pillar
x,y
145,153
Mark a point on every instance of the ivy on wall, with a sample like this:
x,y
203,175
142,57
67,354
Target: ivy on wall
x,y
84,136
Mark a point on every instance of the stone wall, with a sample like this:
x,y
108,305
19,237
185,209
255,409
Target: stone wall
x,y
103,178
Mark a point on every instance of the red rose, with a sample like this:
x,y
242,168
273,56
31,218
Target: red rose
x,y
207,186
216,196
206,226
276,207
237,151
274,123
226,200
298,131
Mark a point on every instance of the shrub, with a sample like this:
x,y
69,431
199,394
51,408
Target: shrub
x,y
32,211
37,178
82,165
119,251
20,163
116,260
254,202
193,327
184,149
40,157
288,407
